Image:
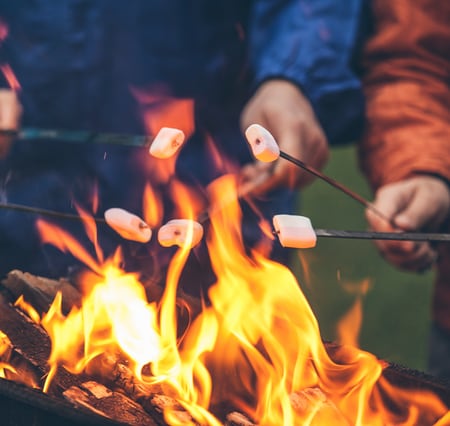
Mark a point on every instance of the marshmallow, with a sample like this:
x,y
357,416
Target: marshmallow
x,y
175,232
294,231
262,143
167,142
127,225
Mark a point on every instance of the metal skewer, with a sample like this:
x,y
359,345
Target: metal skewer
x,y
45,212
337,185
78,136
371,235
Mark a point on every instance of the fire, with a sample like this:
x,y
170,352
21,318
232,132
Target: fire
x,y
255,347
114,316
10,77
349,326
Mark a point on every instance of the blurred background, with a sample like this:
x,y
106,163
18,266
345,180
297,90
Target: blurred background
x,y
356,296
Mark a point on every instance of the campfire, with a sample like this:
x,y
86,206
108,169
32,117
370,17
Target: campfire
x,y
124,351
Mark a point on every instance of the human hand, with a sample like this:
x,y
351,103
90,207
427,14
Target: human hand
x,y
280,107
10,113
420,203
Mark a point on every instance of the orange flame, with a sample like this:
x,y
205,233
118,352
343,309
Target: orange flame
x,y
28,309
152,207
91,229
5,347
255,347
10,77
51,234
349,326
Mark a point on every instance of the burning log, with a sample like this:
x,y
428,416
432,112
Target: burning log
x,y
314,405
30,347
110,388
40,292
156,399
238,419
113,405
163,404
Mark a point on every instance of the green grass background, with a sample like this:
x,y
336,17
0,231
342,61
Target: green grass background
x,y
396,308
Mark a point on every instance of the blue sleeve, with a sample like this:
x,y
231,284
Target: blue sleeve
x,y
312,43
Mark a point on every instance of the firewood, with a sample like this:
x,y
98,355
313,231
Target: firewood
x,y
162,403
155,398
31,343
113,405
312,403
40,291
13,366
238,419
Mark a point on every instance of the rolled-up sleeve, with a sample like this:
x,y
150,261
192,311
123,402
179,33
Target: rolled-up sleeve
x,y
312,43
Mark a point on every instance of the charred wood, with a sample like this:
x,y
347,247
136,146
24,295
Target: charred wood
x,y
40,292
31,343
113,405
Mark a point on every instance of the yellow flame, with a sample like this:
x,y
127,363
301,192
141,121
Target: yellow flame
x,y
255,346
152,207
28,309
349,326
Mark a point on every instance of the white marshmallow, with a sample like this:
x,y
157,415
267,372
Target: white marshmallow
x,y
128,225
262,143
167,142
294,231
175,232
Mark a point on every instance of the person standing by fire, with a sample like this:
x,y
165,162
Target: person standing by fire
x,y
103,65
405,151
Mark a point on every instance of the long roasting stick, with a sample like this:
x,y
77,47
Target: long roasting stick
x,y
367,204
332,182
45,212
372,235
266,149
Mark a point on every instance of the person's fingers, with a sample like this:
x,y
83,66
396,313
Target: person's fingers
x,y
428,206
304,143
418,260
389,201
281,108
396,247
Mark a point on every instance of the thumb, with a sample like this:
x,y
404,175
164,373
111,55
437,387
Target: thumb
x,y
416,215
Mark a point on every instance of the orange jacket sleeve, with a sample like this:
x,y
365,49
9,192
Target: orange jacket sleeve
x,y
406,81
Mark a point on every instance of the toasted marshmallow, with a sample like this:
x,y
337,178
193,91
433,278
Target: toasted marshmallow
x,y
167,142
294,231
128,225
262,143
175,232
